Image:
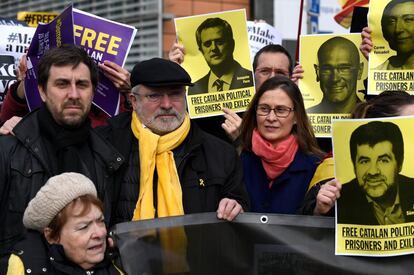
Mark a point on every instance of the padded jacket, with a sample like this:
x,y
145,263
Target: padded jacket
x,y
36,256
209,169
288,189
24,169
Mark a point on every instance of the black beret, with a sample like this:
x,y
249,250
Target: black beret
x,y
158,72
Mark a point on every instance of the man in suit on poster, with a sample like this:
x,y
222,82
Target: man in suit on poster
x,y
215,41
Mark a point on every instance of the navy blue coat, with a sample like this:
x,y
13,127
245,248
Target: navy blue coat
x,y
288,190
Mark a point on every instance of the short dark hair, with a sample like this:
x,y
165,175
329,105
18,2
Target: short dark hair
x,y
211,23
302,129
272,48
385,14
68,54
375,132
386,104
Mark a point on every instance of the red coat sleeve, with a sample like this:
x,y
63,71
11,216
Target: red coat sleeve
x,y
12,106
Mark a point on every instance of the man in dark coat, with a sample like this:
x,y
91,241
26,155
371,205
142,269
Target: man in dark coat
x,y
379,194
53,139
172,167
215,41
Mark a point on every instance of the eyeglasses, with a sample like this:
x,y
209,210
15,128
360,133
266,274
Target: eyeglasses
x,y
156,97
280,110
326,70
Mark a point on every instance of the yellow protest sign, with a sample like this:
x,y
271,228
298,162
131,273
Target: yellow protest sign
x,y
217,57
333,78
391,61
375,213
33,18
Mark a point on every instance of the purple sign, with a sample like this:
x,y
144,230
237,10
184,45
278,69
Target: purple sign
x,y
101,38
47,36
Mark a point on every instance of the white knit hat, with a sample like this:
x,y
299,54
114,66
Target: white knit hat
x,y
57,192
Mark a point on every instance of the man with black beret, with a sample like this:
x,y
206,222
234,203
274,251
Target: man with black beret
x,y
172,167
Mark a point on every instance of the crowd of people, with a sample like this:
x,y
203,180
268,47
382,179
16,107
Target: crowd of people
x,y
67,172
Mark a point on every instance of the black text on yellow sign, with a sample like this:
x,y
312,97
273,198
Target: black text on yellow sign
x,y
208,104
321,123
376,240
34,18
392,81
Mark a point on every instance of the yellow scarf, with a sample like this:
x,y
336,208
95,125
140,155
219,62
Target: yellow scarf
x,y
155,151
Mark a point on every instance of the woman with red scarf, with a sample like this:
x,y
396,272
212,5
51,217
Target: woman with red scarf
x,y
279,149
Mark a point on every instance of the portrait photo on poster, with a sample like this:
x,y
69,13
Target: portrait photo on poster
x,y
373,160
397,26
391,60
377,154
217,57
215,41
333,78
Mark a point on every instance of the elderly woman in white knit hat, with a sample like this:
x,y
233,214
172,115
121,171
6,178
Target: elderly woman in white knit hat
x,y
68,214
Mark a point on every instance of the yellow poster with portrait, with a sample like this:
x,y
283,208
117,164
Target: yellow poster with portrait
x,y
217,57
391,61
373,161
333,76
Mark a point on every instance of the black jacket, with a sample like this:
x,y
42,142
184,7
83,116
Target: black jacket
x,y
309,202
209,170
353,207
24,169
39,257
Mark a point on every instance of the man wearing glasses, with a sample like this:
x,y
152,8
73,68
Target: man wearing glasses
x,y
397,23
173,168
338,71
269,61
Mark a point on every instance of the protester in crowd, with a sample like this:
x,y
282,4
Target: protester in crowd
x,y
324,189
279,149
172,167
66,231
15,107
269,61
53,139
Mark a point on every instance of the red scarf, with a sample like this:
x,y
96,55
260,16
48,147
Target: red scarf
x,y
275,159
